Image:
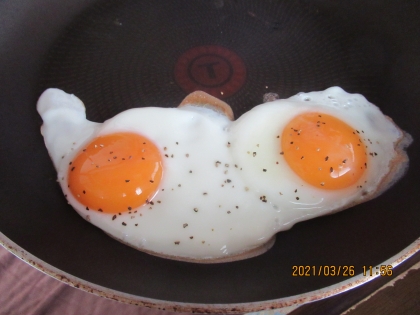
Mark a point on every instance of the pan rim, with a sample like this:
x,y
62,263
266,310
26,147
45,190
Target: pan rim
x,y
230,308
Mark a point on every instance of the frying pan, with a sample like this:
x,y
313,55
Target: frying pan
x,y
116,55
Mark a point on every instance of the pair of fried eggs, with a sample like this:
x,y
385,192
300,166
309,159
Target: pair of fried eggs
x,y
189,183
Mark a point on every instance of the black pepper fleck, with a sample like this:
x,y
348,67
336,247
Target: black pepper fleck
x,y
114,217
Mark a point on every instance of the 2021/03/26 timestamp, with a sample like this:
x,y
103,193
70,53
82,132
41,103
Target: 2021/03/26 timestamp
x,y
339,270
323,270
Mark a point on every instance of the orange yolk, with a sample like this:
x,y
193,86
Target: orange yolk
x,y
116,173
324,151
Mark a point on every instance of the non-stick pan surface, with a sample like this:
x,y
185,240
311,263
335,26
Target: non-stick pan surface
x,y
116,55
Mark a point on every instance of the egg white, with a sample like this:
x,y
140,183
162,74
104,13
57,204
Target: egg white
x,y
202,209
222,191
255,143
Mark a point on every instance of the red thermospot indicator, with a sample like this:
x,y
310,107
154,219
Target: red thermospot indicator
x,y
213,69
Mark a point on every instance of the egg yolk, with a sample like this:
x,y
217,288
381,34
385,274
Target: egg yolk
x,y
324,151
116,173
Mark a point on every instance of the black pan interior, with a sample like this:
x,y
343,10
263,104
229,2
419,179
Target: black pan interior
x,y
116,55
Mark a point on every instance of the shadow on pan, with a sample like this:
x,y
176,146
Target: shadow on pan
x,y
116,55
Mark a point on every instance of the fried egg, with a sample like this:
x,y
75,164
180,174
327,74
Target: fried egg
x,y
189,183
317,153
